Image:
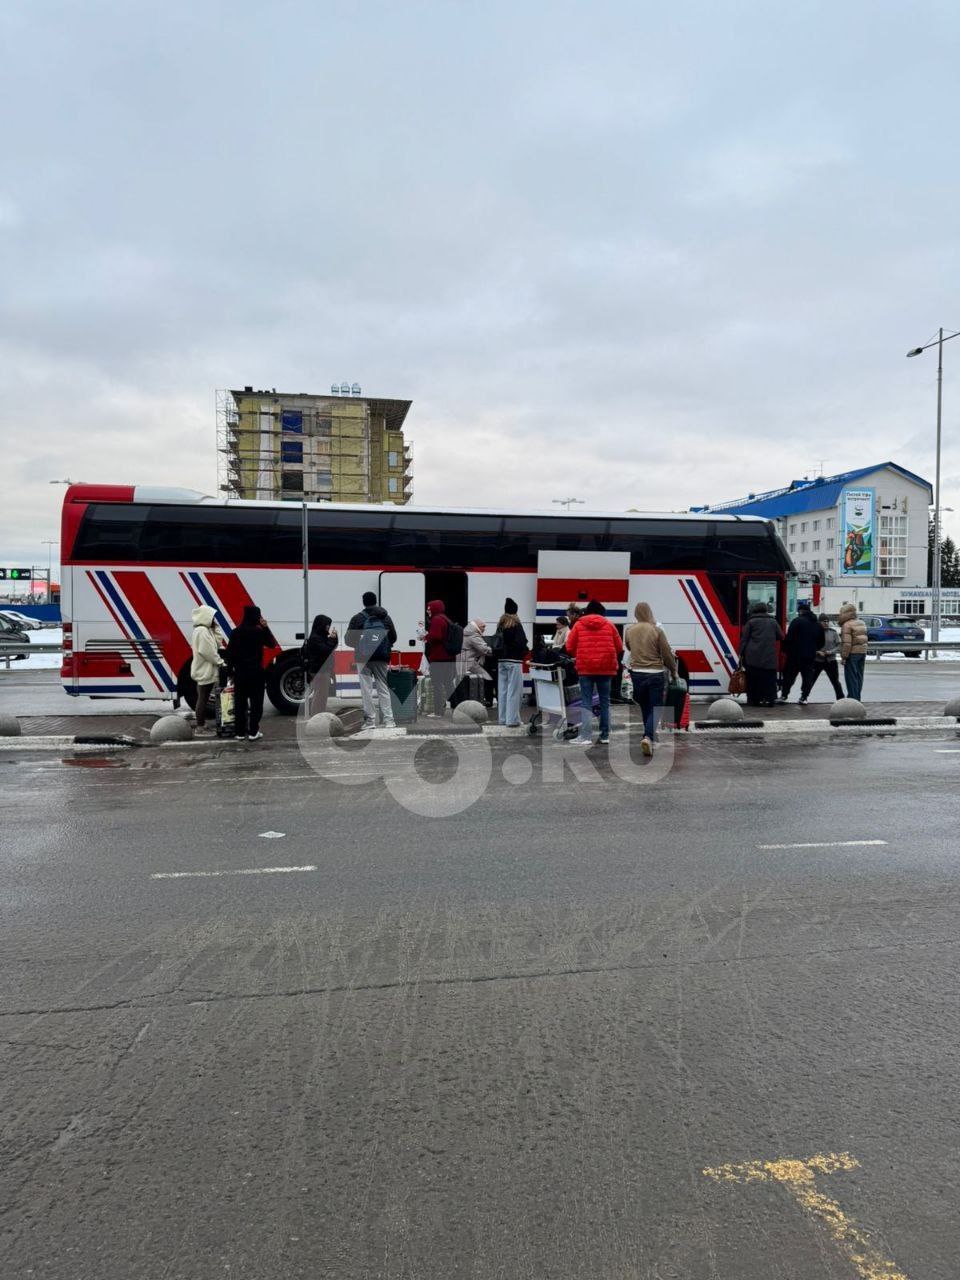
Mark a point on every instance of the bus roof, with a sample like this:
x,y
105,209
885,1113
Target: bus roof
x,y
155,494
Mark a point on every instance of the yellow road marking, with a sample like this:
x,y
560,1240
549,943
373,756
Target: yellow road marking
x,y
799,1178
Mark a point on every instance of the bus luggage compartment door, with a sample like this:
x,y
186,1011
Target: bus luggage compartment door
x,y
403,596
565,577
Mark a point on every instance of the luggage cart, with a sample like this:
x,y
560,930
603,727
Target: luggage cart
x,y
552,703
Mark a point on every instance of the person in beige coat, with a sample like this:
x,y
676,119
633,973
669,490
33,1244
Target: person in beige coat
x,y
853,649
648,657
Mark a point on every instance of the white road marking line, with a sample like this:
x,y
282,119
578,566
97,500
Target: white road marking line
x,y
272,835
948,751
244,871
823,844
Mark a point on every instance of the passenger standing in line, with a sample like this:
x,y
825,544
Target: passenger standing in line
x,y
827,656
758,653
648,657
853,649
510,648
803,641
472,656
245,659
207,662
443,667
371,635
562,631
318,654
596,645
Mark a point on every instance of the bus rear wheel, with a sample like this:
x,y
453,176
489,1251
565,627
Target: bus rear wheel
x,y
285,684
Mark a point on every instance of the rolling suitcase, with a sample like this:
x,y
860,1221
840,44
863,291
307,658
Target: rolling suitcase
x,y
223,704
678,704
469,689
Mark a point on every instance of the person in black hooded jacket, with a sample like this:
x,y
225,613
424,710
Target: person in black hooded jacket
x,y
245,650
318,653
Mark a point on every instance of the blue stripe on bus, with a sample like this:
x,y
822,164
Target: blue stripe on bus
x,y
721,639
225,626
138,635
104,688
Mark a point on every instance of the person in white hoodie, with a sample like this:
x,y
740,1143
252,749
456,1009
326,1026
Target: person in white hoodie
x,y
205,667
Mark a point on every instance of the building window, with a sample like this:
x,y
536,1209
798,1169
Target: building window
x,y
292,482
393,458
911,608
829,544
803,526
793,546
291,420
793,527
803,546
892,551
829,522
816,525
816,544
291,451
393,485
815,565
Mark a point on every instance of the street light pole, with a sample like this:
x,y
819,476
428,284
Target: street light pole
x,y
937,342
49,543
567,502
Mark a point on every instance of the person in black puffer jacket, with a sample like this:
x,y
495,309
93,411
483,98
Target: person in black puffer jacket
x,y
245,650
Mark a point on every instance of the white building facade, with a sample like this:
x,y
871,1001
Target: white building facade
x,y
863,533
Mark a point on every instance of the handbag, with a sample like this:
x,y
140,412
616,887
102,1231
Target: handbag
x,y
738,682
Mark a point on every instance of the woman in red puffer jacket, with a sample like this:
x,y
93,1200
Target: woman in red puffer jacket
x,y
597,648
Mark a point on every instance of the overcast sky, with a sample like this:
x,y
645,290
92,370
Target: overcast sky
x,y
643,255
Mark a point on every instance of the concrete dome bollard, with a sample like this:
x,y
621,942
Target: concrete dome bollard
x,y
9,727
951,709
171,728
848,709
324,725
470,712
727,709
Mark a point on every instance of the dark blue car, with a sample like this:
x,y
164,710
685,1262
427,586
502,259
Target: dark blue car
x,y
892,630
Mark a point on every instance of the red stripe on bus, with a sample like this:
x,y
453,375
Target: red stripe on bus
x,y
695,660
156,617
144,662
232,594
609,590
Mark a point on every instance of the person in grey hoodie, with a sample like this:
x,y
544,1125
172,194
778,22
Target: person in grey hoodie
x,y
826,658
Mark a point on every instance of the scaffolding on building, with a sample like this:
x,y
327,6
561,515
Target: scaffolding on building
x,y
312,447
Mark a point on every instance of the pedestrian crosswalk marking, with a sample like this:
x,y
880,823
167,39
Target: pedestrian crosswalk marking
x,y
823,844
799,1178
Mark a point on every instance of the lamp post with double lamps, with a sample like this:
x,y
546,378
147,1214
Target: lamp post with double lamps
x,y
937,342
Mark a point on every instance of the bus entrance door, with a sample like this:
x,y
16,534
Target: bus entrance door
x,y
402,595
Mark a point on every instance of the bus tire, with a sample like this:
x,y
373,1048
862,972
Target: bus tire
x,y
187,687
285,684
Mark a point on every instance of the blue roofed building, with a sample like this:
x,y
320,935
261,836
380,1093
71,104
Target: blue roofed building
x,y
864,532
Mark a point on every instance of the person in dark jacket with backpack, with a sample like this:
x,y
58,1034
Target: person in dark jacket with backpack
x,y
758,653
245,654
318,654
371,635
442,642
805,637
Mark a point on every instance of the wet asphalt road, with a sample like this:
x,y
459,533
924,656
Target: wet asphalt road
x,y
505,1043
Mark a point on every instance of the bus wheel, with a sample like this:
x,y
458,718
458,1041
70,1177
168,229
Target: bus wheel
x,y
285,684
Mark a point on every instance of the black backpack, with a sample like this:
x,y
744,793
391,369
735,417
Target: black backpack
x,y
453,640
374,642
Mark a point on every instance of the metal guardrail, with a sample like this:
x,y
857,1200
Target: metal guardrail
x,y
13,653
880,647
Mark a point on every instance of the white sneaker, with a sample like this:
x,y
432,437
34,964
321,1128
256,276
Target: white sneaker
x,y
646,746
581,742
253,737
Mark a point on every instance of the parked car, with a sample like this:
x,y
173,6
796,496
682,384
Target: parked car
x,y
890,630
12,637
21,620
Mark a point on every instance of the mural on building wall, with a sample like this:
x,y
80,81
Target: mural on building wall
x,y
857,517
